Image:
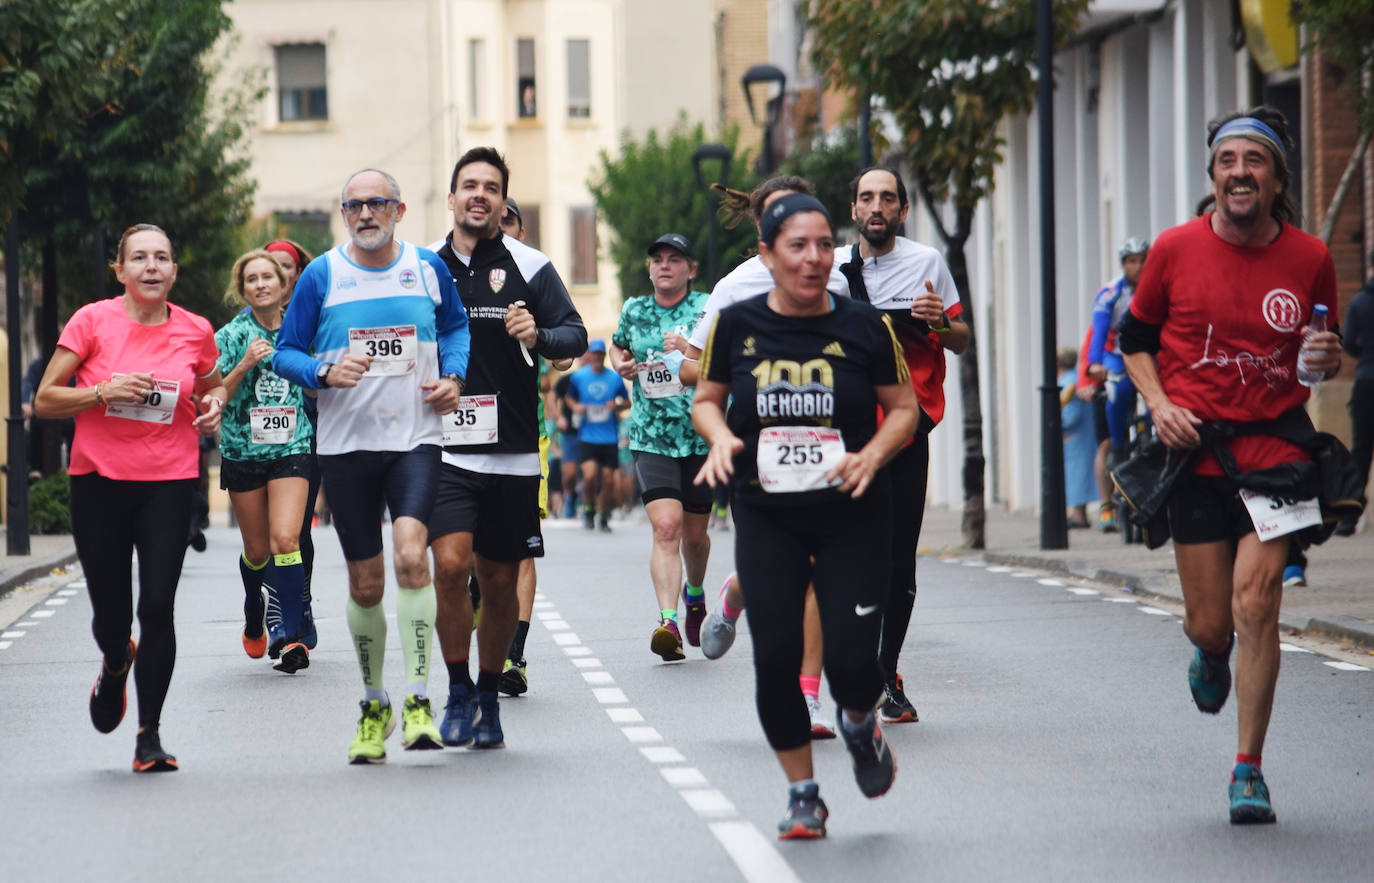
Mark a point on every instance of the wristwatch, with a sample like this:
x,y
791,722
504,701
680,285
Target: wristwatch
x,y
456,379
322,374
943,326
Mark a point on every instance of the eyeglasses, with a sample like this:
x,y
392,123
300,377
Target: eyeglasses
x,y
375,206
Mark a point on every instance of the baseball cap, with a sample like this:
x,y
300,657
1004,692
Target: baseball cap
x,y
675,240
597,346
514,208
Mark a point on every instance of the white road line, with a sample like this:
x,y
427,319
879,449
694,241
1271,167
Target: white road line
x,y
1050,582
5,645
642,734
67,593
610,695
975,563
1293,648
684,777
77,584
565,639
548,614
587,662
578,651
28,623
1023,574
55,602
756,857
1346,666
598,677
1153,611
542,605
625,715
1084,591
42,613
12,634
1120,600
662,754
708,801
555,625
999,569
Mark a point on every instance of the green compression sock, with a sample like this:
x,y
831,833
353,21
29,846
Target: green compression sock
x,y
415,613
368,625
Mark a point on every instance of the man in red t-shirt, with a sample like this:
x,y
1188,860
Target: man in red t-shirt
x,y
1213,334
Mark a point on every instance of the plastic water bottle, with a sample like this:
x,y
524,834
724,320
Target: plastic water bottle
x,y
1318,323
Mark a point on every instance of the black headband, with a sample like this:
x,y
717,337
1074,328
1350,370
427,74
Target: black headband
x,y
780,211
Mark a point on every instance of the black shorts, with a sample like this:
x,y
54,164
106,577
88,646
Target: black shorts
x,y
241,476
605,456
357,485
500,511
1207,509
1101,428
671,478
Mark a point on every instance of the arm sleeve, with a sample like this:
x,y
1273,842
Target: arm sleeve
x,y
450,322
293,359
560,334
1102,319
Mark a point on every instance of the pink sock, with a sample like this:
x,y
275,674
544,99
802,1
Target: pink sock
x,y
730,613
811,686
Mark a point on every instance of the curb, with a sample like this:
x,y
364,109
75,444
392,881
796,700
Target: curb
x,y
14,577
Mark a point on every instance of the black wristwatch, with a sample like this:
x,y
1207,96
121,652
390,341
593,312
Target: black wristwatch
x,y
322,374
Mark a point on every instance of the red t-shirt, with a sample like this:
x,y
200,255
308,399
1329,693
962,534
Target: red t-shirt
x,y
1229,322
152,443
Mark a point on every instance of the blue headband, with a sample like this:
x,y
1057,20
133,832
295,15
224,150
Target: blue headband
x,y
1255,130
780,211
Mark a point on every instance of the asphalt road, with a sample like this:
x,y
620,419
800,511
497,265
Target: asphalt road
x,y
1057,742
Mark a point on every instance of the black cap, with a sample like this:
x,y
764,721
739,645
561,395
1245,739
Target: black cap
x,y
514,208
676,240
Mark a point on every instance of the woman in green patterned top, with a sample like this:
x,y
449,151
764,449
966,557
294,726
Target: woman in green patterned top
x,y
265,443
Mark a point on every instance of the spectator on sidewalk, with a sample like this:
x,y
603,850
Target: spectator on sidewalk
x,y
1094,394
1079,442
1359,324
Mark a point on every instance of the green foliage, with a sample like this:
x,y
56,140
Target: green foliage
x,y
1345,31
50,505
651,189
829,162
256,232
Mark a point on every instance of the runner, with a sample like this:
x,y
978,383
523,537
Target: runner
x,y
143,369
805,373
647,350
910,283
487,514
376,326
569,454
1213,334
265,441
597,397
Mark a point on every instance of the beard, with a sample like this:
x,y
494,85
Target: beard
x,y
485,229
880,236
373,238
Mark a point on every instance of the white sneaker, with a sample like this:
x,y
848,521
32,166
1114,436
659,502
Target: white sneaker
x,y
819,728
717,635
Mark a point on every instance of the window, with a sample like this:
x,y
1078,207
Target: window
x,y
310,229
584,246
529,214
525,106
579,79
301,83
477,63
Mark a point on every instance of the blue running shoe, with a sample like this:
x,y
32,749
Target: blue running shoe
x,y
806,814
456,728
1293,575
1209,678
486,733
1249,797
309,636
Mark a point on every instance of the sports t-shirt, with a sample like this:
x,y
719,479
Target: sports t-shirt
x,y
661,414
265,419
892,282
1110,306
800,371
406,315
1229,320
155,441
749,279
598,390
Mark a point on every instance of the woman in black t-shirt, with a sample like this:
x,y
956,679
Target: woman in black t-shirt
x,y
802,448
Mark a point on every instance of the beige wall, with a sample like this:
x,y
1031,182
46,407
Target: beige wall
x,y
670,64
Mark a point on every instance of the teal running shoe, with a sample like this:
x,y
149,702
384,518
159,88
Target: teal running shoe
x,y
1209,678
1249,797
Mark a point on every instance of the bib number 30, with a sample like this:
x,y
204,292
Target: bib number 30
x,y
1278,516
158,406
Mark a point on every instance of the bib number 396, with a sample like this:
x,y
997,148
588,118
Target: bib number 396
x,y
393,349
1277,516
796,458
158,406
474,423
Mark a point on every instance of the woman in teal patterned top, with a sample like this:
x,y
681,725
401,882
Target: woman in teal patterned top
x,y
265,442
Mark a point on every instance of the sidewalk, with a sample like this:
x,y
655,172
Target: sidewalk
x,y
46,553
1338,600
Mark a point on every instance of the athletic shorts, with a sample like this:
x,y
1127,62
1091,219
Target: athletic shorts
x,y
1101,428
1207,509
671,478
571,450
241,476
358,484
605,456
543,477
500,511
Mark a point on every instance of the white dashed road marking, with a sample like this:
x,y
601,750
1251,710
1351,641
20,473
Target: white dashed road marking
x,y
1346,666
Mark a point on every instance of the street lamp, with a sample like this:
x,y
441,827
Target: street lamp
x,y
703,154
765,75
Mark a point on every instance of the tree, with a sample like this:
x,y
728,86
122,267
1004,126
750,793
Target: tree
x,y
1343,29
829,162
651,189
948,71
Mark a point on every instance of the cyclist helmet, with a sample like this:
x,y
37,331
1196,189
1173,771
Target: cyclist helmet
x,y
1134,245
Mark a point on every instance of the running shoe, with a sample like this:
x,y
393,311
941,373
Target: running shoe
x,y
1249,797
254,628
486,733
896,708
589,519
459,711
294,657
1106,518
1209,678
696,614
874,765
513,680
605,524
375,724
418,732
666,641
309,636
805,816
819,728
149,756
717,632
1293,575
109,698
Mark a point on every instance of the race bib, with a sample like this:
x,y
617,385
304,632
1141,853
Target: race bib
x,y
1277,516
796,458
658,381
474,423
598,413
158,406
274,425
394,349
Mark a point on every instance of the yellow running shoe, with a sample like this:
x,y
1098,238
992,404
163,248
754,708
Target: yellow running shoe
x,y
418,732
369,743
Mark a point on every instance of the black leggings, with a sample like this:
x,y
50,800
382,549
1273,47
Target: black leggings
x,y
908,471
844,548
307,542
109,520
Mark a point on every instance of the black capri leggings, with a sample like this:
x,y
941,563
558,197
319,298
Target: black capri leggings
x,y
844,548
109,520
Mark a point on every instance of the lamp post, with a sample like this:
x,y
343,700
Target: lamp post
x,y
765,75
702,155
1054,528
